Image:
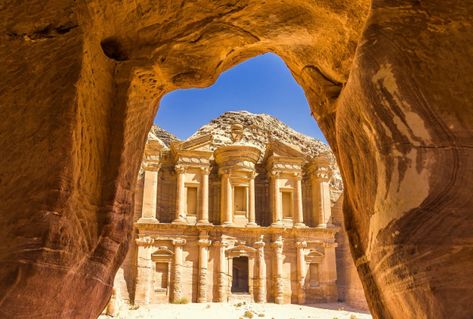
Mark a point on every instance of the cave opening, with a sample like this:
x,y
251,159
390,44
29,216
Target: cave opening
x,y
239,160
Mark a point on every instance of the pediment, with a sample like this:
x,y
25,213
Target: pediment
x,y
199,143
241,250
162,254
282,149
314,256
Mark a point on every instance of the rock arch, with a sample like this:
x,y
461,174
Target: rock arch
x,y
81,83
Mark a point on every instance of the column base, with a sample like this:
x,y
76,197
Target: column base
x,y
179,221
325,225
228,224
147,220
300,225
252,224
278,224
204,222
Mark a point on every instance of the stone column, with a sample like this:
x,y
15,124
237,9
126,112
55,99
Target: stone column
x,y
278,270
222,272
301,271
150,193
203,243
144,278
204,207
227,200
177,286
180,197
260,295
299,220
276,200
321,195
252,194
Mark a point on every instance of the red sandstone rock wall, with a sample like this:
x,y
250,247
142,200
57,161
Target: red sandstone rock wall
x,y
350,289
79,89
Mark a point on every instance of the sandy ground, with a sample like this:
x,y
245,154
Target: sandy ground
x,y
243,311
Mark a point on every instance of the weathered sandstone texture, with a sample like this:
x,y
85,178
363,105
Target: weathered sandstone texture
x,y
390,86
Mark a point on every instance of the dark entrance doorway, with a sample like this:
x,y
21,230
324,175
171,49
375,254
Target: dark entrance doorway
x,y
240,275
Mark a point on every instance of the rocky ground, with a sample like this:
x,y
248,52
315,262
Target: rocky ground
x,y
242,310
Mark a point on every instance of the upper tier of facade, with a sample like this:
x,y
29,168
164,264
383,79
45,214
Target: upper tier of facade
x,y
240,183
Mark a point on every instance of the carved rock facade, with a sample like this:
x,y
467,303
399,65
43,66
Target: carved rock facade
x,y
236,220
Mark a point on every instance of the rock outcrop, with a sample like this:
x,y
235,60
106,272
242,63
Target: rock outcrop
x,y
259,130
159,134
390,86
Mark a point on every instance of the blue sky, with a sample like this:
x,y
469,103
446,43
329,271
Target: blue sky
x,y
262,84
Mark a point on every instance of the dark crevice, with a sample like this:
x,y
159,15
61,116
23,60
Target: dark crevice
x,y
114,49
46,32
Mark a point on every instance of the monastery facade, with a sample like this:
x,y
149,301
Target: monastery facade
x,y
233,220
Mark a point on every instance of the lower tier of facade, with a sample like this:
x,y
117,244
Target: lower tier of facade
x,y
183,263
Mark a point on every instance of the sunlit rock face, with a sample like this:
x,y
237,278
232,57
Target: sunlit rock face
x,y
390,88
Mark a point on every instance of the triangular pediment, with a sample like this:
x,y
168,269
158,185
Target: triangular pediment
x,y
199,143
241,250
281,149
162,254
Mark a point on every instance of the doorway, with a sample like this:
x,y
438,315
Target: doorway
x,y
240,275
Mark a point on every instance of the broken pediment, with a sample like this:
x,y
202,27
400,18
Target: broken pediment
x,y
281,149
199,143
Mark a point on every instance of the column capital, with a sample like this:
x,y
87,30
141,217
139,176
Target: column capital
x,y
180,169
152,166
273,174
144,241
322,174
219,243
204,242
259,244
225,171
252,174
277,244
204,239
205,170
301,244
179,242
297,175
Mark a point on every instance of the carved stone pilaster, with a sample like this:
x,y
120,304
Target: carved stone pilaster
x,y
260,295
177,287
203,243
320,172
222,271
204,213
301,266
277,246
150,191
275,199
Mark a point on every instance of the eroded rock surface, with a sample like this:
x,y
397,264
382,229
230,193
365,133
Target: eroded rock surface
x,y
81,83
